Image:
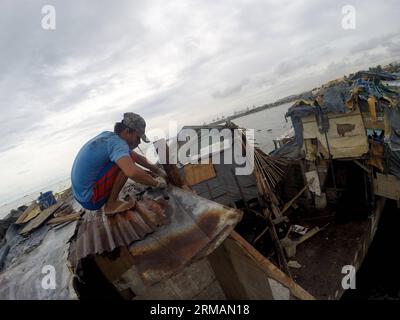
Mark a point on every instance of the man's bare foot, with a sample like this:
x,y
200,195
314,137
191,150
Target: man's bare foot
x,y
118,206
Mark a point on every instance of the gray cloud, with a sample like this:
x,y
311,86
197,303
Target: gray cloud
x,y
230,90
386,41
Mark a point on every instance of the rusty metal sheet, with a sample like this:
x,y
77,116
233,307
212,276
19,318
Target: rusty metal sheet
x,y
100,233
41,218
197,227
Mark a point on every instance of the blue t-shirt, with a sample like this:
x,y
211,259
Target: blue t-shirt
x,y
93,157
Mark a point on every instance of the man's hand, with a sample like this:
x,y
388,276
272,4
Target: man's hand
x,y
131,170
161,183
159,172
142,161
162,173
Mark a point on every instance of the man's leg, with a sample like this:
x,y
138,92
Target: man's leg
x,y
113,204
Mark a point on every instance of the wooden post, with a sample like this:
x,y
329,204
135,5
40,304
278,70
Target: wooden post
x,y
303,172
271,270
240,189
277,243
172,171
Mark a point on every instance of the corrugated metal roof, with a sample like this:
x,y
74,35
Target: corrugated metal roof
x,y
197,227
100,233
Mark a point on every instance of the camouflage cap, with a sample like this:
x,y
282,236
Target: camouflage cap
x,y
136,122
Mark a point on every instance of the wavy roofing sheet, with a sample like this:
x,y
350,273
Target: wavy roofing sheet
x,y
100,233
197,227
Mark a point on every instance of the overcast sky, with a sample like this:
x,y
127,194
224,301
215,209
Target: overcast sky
x,y
188,61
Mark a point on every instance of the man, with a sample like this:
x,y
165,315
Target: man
x,y
105,162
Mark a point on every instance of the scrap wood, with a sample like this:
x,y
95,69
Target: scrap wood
x,y
270,269
294,264
278,247
261,234
63,211
65,218
61,225
290,245
290,203
40,219
275,221
171,169
257,213
377,163
280,220
362,166
275,210
31,212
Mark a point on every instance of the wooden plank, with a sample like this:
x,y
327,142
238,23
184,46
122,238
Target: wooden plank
x,y
226,274
369,124
172,170
31,212
270,269
40,219
290,203
362,166
196,173
253,278
65,218
387,186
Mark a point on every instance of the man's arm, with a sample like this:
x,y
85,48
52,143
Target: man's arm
x,y
131,170
141,160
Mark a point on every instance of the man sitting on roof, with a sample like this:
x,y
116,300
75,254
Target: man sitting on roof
x,y
105,162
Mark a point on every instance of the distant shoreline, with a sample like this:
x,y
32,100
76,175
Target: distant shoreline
x,y
245,113
277,103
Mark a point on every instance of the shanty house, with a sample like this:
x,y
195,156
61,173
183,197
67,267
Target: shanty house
x,y
217,181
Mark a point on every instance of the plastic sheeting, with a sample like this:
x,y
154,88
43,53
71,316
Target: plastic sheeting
x,y
393,117
378,75
392,161
29,262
